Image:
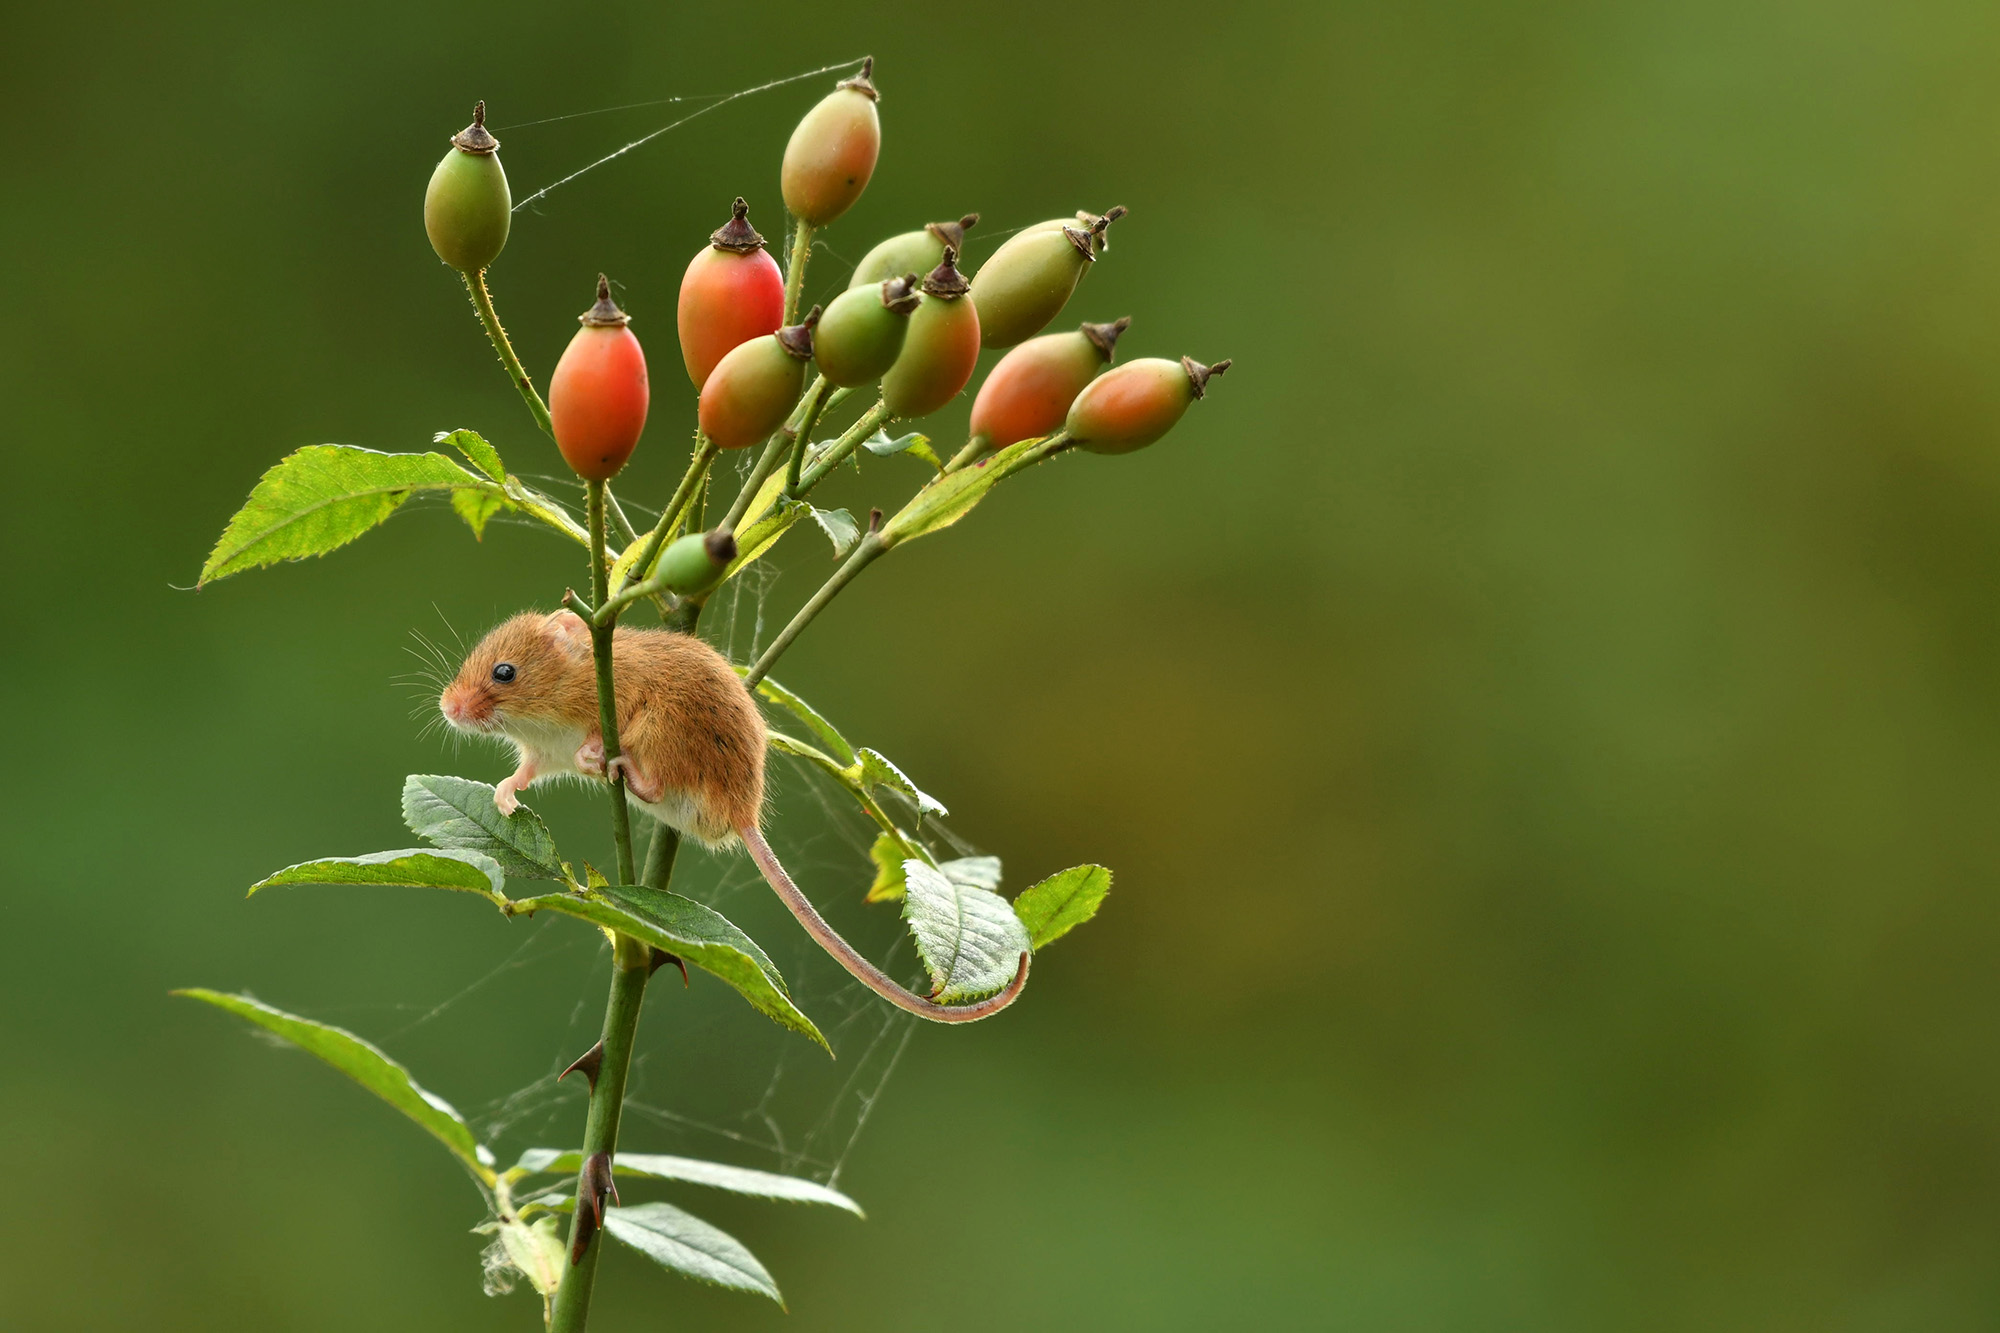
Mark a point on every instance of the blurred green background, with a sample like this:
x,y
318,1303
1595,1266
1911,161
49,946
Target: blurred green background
x,y
1539,708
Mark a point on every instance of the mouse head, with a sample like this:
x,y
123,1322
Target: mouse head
x,y
534,669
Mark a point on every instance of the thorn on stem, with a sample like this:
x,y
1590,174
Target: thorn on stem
x,y
587,1064
661,958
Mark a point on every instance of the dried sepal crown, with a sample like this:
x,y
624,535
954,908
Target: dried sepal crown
x,y
945,280
605,314
737,235
476,138
1199,375
864,82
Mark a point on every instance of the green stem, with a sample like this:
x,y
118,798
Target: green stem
x,y
815,403
660,857
625,529
631,966
974,447
607,694
482,301
759,474
837,453
704,454
631,962
795,271
863,555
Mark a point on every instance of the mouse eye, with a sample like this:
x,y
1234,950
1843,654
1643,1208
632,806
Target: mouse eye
x,y
504,673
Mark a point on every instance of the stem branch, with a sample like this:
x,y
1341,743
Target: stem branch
x,y
670,517
631,966
631,961
482,301
795,271
864,554
838,451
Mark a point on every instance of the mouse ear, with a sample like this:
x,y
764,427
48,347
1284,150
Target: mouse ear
x,y
570,630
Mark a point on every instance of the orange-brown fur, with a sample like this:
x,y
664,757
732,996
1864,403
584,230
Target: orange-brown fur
x,y
693,744
692,739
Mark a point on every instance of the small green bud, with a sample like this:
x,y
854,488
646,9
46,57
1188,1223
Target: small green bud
x,y
862,332
912,252
467,208
695,563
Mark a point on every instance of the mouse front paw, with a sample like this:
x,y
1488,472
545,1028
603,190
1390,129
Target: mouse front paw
x,y
590,757
504,799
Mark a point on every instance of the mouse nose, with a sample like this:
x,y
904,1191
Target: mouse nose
x,y
465,705
456,704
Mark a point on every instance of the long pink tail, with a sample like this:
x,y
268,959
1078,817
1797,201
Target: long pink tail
x,y
869,975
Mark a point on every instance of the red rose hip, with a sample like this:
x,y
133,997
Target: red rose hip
x,y
732,292
1029,393
1137,403
598,395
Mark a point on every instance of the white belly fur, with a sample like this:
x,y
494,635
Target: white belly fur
x,y
553,751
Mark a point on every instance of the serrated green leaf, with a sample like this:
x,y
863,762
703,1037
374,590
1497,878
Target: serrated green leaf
x,y
888,854
974,872
805,713
366,1065
476,450
691,931
323,496
475,507
947,499
459,813
877,771
969,938
1062,902
414,867
689,1246
715,1175
840,529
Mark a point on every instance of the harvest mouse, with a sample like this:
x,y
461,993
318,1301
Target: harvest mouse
x,y
693,750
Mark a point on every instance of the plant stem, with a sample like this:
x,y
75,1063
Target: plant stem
x,y
660,857
607,695
974,447
704,454
631,959
631,966
625,529
759,474
795,271
482,301
871,546
837,453
815,403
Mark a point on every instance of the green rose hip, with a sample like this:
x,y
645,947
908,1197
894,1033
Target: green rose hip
x,y
468,208
862,332
696,562
912,252
1029,280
